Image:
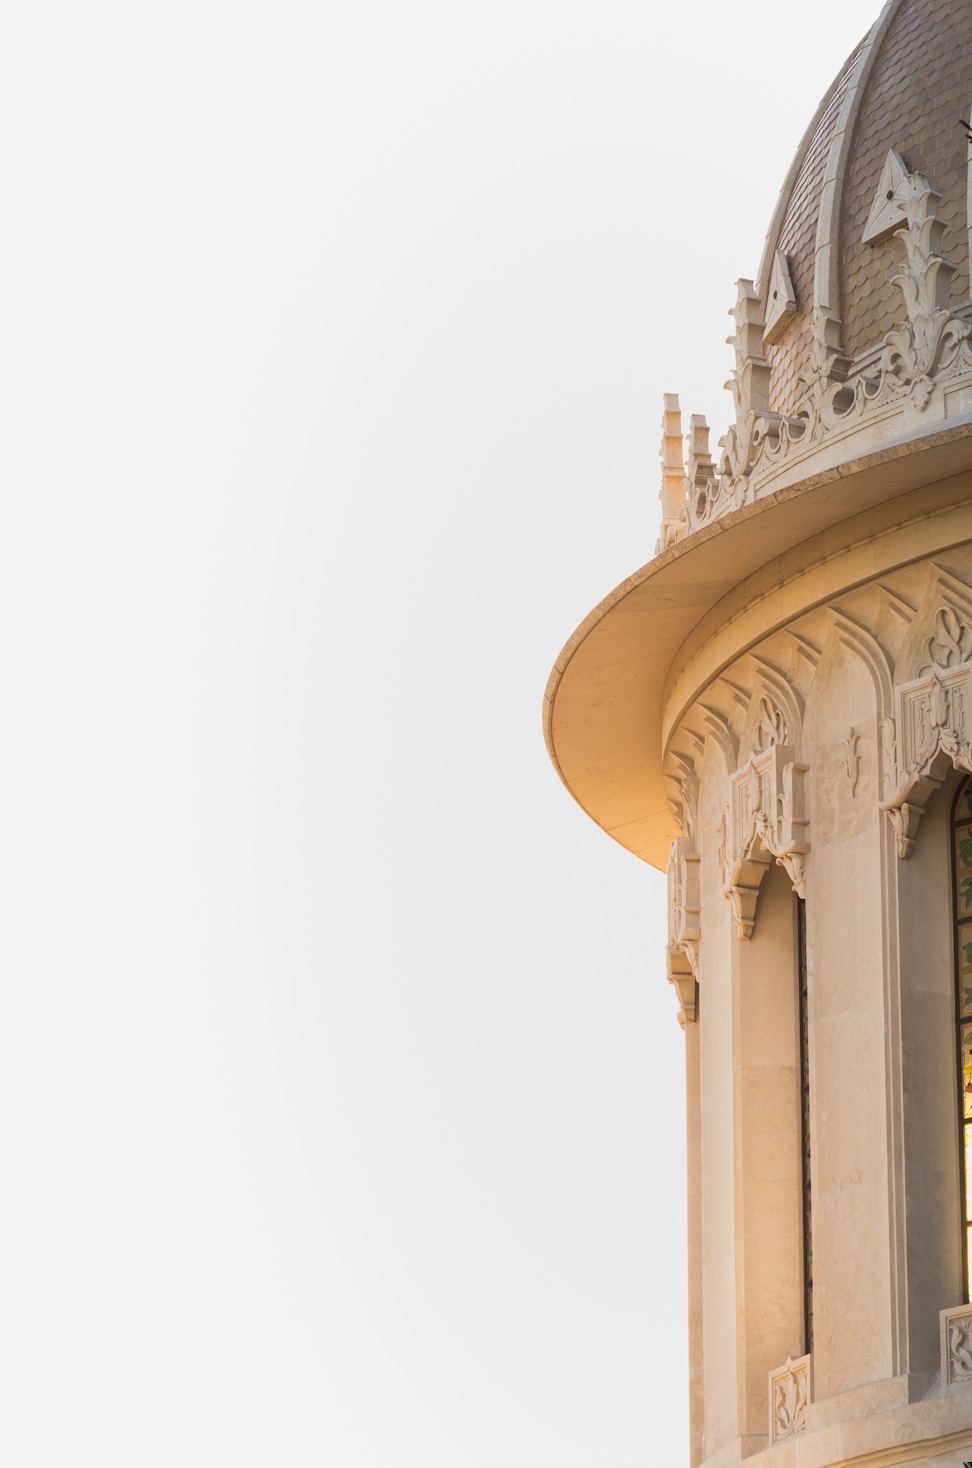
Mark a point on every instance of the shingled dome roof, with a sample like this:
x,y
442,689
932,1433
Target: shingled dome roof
x,y
852,384
902,91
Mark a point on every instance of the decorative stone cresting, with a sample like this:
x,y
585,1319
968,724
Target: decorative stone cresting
x,y
930,347
684,924
933,727
956,1334
789,1398
767,818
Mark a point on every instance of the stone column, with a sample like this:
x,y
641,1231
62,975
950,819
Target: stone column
x,y
693,1130
767,1153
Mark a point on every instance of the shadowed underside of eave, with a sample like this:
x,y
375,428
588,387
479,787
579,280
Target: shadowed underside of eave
x,y
604,702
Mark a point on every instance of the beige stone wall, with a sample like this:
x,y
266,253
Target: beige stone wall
x,y
824,683
849,1137
717,1264
926,1000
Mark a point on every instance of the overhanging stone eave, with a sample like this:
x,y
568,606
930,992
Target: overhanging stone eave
x,y
603,704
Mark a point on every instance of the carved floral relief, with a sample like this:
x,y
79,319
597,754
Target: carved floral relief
x,y
956,1339
789,1398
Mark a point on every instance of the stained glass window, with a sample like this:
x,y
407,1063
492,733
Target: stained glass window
x,y
805,1122
962,868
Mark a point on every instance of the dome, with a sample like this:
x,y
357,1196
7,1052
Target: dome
x,y
858,324
777,711
852,386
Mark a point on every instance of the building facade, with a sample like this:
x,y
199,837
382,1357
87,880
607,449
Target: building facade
x,y
777,711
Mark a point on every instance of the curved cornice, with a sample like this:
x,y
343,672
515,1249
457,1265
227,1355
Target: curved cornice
x,y
604,707
882,539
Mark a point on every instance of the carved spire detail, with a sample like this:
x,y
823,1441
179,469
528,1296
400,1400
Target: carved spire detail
x,y
674,523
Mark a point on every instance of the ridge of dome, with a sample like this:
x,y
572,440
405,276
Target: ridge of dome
x,y
873,339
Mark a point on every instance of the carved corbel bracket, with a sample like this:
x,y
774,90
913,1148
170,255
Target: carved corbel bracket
x,y
685,984
767,822
904,820
933,737
743,890
684,924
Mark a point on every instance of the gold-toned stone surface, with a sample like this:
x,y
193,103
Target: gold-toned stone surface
x,y
920,86
783,693
790,356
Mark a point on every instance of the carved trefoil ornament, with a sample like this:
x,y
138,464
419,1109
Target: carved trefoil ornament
x,y
887,211
781,301
767,822
684,924
934,724
956,1335
789,1398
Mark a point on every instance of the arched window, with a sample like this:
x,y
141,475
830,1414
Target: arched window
x,y
962,891
804,1008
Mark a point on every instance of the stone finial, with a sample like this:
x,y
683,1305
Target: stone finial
x,y
750,381
674,523
700,470
931,337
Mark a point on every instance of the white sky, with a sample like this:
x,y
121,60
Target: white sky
x,y
342,1090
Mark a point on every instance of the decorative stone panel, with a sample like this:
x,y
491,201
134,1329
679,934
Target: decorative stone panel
x,y
767,822
684,924
789,1398
956,1329
934,724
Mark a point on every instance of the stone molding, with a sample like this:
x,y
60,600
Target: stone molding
x,y
930,733
790,1389
764,605
767,821
956,1337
